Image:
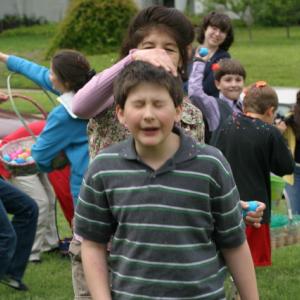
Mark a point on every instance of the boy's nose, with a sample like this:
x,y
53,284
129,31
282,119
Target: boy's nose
x,y
148,113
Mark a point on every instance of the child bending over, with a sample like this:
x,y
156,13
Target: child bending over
x,y
254,148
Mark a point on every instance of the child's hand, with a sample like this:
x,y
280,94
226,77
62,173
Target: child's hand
x,y
203,58
254,217
3,57
156,57
3,97
281,126
60,161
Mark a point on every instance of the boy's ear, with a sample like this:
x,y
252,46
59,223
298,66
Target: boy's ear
x,y
270,111
217,84
120,114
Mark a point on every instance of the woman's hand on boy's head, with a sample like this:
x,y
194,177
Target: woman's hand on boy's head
x,y
254,217
156,57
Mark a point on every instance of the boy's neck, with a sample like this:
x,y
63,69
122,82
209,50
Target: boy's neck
x,y
156,156
255,115
221,96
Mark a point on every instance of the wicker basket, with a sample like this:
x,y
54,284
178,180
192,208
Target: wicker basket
x,y
21,169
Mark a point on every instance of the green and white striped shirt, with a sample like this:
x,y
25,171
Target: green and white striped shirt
x,y
168,225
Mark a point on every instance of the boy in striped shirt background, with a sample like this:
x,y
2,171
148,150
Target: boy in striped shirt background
x,y
170,203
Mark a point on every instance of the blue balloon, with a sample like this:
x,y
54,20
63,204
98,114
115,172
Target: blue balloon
x,y
252,206
203,52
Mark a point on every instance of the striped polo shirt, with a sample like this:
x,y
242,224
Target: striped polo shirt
x,y
168,224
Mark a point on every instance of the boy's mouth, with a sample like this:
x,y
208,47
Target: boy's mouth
x,y
150,130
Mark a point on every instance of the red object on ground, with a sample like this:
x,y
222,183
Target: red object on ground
x,y
60,179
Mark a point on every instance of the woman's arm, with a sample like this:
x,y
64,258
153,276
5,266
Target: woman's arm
x,y
95,269
240,264
97,94
207,104
58,134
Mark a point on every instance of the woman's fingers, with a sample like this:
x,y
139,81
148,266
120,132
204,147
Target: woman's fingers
x,y
156,57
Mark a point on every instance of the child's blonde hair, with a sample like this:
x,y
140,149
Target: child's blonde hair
x,y
259,97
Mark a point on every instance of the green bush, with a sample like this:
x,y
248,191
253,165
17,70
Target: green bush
x,y
46,30
93,26
15,21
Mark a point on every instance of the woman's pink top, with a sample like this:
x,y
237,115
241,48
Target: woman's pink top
x,y
97,95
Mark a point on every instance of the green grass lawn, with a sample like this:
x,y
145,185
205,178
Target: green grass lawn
x,y
270,56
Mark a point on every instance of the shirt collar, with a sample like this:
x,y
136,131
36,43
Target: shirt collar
x,y
66,100
187,149
236,105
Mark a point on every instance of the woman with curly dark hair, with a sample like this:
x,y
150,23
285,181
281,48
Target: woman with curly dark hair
x,y
216,34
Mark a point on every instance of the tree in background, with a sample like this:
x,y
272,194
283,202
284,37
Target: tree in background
x,y
93,26
279,12
265,12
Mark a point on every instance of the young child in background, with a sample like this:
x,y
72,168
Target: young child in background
x,y
64,132
171,204
216,34
229,76
254,148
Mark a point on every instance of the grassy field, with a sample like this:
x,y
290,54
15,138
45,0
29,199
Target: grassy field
x,y
270,56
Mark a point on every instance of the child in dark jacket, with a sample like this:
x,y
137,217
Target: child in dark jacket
x,y
254,148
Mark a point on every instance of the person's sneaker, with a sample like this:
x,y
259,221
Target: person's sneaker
x,y
15,284
64,246
35,261
35,258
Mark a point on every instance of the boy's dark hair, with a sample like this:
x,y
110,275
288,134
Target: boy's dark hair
x,y
228,66
163,18
72,69
142,72
220,21
260,97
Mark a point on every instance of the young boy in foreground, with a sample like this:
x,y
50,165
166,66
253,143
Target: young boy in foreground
x,y
170,203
